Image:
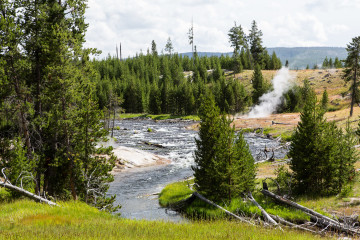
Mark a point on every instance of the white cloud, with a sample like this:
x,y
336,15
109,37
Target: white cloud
x,y
295,30
284,23
338,28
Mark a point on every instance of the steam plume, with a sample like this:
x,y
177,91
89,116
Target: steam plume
x,y
269,101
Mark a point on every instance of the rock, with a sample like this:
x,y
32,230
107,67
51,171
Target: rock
x,y
131,157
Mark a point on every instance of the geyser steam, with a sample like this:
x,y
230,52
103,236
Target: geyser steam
x,y
269,101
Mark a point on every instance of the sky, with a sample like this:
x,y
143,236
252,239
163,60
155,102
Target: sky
x,y
284,23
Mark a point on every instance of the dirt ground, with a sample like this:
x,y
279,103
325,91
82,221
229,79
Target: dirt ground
x,y
320,79
278,124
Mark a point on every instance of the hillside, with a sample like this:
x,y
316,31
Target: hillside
x,y
298,57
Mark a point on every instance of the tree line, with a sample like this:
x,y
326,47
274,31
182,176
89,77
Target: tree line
x,y
172,83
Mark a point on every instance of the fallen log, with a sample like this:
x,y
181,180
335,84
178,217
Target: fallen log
x,y
201,197
267,217
295,205
293,225
27,193
182,204
318,218
153,144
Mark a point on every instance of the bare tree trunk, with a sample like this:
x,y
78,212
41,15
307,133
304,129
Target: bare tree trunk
x,y
70,158
263,212
320,219
283,221
27,193
353,95
113,123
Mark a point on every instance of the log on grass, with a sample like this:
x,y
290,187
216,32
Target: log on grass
x,y
298,206
201,197
318,218
293,225
267,217
27,193
337,226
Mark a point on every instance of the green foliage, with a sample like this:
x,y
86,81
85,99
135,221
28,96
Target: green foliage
x,y
325,101
258,84
322,156
284,179
5,195
224,166
162,83
294,99
338,63
174,192
255,43
51,93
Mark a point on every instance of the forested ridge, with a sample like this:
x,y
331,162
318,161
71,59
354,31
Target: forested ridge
x,y
172,83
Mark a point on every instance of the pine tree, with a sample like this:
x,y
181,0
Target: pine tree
x,y
154,99
45,59
224,167
348,156
242,170
237,38
321,160
256,47
153,49
337,63
191,40
258,84
325,101
331,64
169,46
325,63
275,62
206,148
352,70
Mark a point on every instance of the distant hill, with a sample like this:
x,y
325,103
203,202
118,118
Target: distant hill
x,y
298,57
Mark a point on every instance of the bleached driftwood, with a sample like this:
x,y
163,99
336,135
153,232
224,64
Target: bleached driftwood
x,y
321,220
293,225
201,197
6,183
267,217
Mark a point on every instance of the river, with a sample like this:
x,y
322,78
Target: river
x,y
136,188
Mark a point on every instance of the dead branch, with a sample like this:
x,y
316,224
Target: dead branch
x,y
287,223
201,197
267,217
321,220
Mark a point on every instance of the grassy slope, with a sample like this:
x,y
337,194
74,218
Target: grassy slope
x,y
74,220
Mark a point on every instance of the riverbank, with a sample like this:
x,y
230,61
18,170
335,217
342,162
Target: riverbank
x,y
25,219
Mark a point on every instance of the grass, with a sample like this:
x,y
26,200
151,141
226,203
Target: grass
x,y
159,117
175,192
25,219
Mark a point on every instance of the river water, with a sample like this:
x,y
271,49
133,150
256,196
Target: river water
x,y
136,188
